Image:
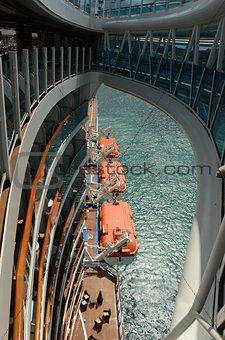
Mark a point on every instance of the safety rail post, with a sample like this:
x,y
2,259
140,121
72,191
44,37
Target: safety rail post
x,y
15,91
26,74
61,63
69,62
36,73
4,152
45,68
53,65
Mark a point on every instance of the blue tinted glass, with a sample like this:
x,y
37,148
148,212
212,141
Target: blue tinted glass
x,y
163,80
176,65
197,74
155,66
203,101
184,86
218,85
218,129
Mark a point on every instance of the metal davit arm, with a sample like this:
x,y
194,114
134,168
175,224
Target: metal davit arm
x,y
203,291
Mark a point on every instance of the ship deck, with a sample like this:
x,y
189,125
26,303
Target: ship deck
x,y
97,279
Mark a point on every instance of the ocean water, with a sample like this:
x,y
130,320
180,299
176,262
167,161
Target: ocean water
x,y
161,191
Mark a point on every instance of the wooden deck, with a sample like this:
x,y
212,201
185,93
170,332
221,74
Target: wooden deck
x,y
94,281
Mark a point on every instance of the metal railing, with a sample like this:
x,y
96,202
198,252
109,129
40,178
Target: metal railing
x,y
118,8
29,237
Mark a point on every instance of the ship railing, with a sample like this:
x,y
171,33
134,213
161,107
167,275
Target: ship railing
x,y
30,76
76,235
114,273
75,312
22,270
64,292
79,199
66,323
119,8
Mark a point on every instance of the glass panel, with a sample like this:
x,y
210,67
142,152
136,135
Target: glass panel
x,y
144,66
202,105
163,80
49,67
218,129
57,64
124,7
155,66
197,74
160,5
184,86
88,6
65,63
9,119
65,131
73,167
218,85
123,66
148,6
136,51
41,70
31,67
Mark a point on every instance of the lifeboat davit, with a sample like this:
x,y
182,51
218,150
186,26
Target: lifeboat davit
x,y
105,142
115,218
108,170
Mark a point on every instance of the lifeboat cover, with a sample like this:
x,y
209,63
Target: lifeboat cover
x,y
115,218
104,143
108,169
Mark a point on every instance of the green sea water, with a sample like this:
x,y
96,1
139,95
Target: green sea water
x,y
161,191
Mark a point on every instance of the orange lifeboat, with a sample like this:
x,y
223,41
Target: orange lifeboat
x,y
104,143
115,218
106,172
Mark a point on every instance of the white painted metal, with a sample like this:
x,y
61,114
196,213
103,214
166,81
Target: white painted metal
x,y
215,44
4,153
45,68
15,91
26,74
173,44
36,73
209,329
190,44
221,47
196,47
